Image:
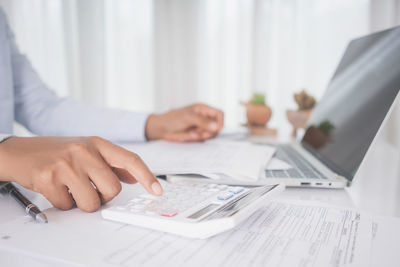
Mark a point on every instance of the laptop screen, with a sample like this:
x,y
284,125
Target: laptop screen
x,y
359,95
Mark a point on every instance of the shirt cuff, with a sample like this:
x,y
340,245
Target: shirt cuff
x,y
135,128
3,137
127,127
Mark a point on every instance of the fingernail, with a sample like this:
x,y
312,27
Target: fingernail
x,y
213,126
157,189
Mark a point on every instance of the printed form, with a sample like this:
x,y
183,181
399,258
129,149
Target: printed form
x,y
281,234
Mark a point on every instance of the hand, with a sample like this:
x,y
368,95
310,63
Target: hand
x,y
189,124
85,170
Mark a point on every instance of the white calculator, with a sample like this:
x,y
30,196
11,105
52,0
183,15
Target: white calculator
x,y
196,210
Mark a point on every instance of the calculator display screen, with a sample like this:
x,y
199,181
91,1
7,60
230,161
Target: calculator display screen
x,y
203,211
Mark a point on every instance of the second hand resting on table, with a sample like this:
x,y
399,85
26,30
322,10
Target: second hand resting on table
x,y
52,166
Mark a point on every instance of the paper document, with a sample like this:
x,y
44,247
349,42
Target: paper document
x,y
240,160
385,244
281,234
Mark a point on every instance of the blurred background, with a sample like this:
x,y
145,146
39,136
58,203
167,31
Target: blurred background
x,y
154,55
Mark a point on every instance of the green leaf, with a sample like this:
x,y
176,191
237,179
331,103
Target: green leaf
x,y
327,127
258,99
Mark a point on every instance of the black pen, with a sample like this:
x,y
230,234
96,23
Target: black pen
x,y
30,208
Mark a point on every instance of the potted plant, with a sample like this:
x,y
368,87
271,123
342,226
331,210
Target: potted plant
x,y
298,118
257,112
318,136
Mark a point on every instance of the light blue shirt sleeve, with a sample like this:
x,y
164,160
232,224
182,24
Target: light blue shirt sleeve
x,y
44,113
4,137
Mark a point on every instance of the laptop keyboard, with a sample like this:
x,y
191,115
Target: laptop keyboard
x,y
301,168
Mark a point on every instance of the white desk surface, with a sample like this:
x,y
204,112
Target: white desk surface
x,y
376,189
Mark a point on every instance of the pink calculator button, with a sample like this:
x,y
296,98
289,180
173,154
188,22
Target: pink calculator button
x,y
169,213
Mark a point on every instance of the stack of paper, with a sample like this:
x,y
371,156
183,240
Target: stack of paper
x,y
239,160
282,234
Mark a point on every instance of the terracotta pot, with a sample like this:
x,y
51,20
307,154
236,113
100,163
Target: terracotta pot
x,y
298,119
257,115
315,137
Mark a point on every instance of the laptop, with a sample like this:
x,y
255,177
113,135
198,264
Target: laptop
x,y
347,118
344,123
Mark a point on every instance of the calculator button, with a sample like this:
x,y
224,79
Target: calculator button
x,y
236,190
135,211
225,196
169,213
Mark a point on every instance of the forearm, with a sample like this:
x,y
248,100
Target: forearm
x,y
44,113
63,117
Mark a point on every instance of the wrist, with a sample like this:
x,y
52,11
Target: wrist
x,y
154,127
5,163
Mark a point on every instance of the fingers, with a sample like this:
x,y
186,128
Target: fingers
x,y
65,170
82,190
105,180
100,174
210,112
202,122
220,120
124,175
60,198
120,158
195,135
215,117
194,120
183,137
190,124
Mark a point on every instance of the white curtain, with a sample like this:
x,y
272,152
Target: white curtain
x,y
384,14
154,55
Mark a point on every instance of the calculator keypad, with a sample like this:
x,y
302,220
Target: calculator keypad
x,y
178,198
225,196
